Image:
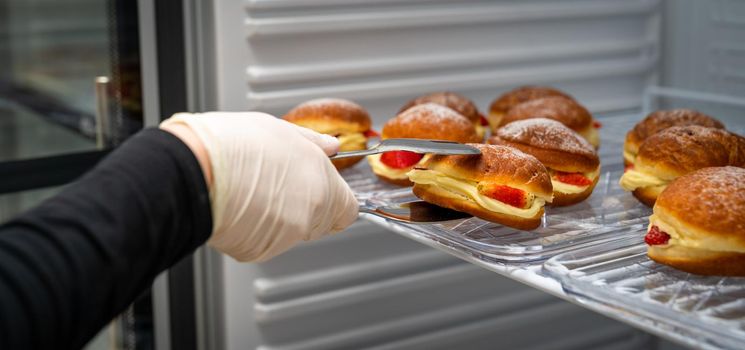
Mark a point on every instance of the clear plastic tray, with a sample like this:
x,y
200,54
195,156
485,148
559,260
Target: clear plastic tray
x,y
595,249
597,220
698,310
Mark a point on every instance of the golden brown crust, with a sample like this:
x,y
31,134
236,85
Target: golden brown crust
x,y
397,182
663,119
699,262
330,116
554,144
564,199
512,98
496,164
679,150
646,195
431,194
561,109
431,121
343,163
561,161
456,102
591,134
710,200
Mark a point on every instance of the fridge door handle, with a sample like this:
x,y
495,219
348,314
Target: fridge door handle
x,y
103,113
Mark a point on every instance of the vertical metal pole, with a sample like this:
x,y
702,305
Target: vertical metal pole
x,y
103,116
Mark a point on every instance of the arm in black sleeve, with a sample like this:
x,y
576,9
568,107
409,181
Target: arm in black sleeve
x,y
74,262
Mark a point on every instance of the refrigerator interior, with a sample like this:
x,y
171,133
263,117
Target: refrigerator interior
x,y
369,287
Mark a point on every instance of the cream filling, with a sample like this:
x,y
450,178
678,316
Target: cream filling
x,y
462,189
352,141
494,119
629,157
679,236
480,131
633,179
380,168
567,188
592,136
572,189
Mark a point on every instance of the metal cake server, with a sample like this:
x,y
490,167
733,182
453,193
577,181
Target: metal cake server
x,y
413,212
412,145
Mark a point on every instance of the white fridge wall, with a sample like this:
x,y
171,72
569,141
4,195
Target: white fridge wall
x,y
705,46
370,288
274,54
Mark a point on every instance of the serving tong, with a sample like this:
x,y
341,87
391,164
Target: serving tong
x,y
411,145
415,211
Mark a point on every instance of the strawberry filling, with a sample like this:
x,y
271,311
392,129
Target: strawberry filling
x,y
484,121
400,159
628,167
597,125
576,179
506,194
656,237
371,133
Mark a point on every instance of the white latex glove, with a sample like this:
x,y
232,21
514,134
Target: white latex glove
x,y
273,183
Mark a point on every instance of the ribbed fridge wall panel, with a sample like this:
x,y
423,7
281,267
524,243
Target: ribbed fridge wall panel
x,y
628,77
619,40
397,51
371,67
345,46
291,4
422,292
339,19
281,288
370,288
630,71
412,295
510,329
348,260
418,300
514,328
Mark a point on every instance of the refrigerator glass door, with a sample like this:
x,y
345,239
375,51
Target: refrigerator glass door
x,y
70,79
69,89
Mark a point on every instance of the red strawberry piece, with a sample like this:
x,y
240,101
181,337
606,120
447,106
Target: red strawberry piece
x,y
484,121
576,179
371,133
506,194
656,237
597,125
400,159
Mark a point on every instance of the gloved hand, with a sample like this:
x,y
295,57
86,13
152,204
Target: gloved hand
x,y
273,182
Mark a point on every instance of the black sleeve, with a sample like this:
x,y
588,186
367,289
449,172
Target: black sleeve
x,y
77,260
